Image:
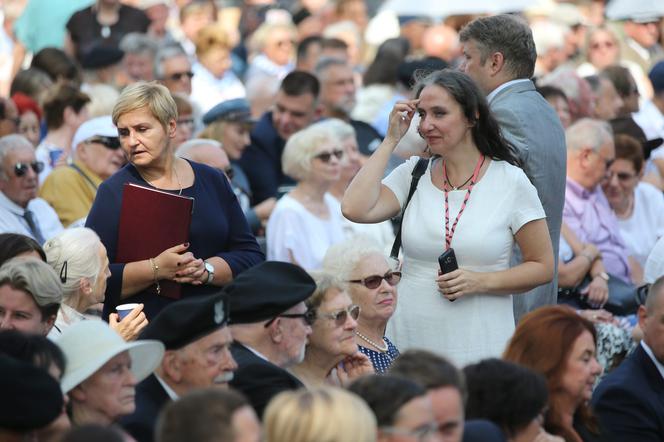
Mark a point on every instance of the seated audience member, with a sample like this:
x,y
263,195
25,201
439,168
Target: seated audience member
x,y
294,109
33,82
307,53
172,68
576,89
331,355
186,124
304,223
103,65
197,339
402,408
13,245
205,151
79,258
654,267
322,414
650,116
511,396
31,399
70,190
637,205
560,344
59,66
139,51
590,154
29,117
625,85
209,416
20,209
8,117
360,263
269,333
30,296
102,371
558,100
607,101
628,401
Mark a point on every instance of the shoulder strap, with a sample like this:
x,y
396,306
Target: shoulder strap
x,y
417,173
83,174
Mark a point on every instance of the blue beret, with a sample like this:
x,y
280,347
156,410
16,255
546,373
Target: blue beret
x,y
236,110
656,76
188,320
267,290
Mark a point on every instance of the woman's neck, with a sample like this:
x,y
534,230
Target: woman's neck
x,y
60,137
460,165
82,415
372,329
316,366
310,191
624,208
162,172
79,303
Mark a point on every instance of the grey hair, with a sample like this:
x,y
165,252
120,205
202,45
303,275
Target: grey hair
x,y
184,150
339,128
343,258
301,148
138,43
34,276
588,132
164,53
77,249
508,35
9,143
325,281
324,63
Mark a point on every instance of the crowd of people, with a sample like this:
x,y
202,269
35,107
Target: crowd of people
x,y
395,227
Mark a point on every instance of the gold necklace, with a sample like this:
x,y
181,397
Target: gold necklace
x,y
175,171
383,348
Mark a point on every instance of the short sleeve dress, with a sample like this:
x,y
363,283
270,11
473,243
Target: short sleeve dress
x,y
473,327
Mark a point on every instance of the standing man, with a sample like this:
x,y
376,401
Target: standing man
x,y
499,54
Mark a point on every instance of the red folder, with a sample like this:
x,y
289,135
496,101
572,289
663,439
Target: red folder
x,y
152,221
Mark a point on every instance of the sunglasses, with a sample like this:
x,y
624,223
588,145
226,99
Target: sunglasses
x,y
180,75
341,316
112,143
622,176
374,281
21,169
309,317
325,157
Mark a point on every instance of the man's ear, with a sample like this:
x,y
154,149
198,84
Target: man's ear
x,y
496,62
172,366
78,393
86,287
276,332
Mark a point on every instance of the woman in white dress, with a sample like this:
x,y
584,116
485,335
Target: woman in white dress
x,y
472,198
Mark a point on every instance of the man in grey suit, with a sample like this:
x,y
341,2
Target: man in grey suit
x,y
499,54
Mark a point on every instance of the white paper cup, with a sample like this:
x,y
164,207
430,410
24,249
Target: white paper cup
x,y
124,309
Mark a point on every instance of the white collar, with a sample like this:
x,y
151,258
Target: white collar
x,y
494,92
169,391
256,352
10,205
658,364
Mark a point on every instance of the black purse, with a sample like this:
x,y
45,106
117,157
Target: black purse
x,y
417,173
623,296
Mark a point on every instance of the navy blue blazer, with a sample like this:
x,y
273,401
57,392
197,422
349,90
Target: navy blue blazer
x,y
150,399
630,400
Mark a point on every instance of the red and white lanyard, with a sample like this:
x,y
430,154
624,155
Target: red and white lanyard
x,y
450,233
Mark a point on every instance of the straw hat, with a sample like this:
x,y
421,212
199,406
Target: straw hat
x,y
88,345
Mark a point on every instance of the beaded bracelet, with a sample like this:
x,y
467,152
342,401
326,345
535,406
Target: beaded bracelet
x,y
155,269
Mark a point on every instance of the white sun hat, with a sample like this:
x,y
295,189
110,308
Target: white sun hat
x,y
88,345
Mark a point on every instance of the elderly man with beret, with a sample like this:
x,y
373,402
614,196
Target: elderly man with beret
x,y
270,325
197,340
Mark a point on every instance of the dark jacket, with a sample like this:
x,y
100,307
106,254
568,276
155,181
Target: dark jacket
x,y
150,399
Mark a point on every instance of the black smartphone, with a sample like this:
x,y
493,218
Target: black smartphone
x,y
447,261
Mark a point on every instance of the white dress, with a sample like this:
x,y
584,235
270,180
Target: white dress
x,y
292,228
472,327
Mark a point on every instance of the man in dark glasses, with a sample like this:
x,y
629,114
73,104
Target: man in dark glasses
x,y
20,209
270,325
71,189
172,68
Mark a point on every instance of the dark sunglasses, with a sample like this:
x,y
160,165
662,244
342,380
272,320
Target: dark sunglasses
x,y
112,143
21,169
179,75
309,317
341,316
374,281
325,157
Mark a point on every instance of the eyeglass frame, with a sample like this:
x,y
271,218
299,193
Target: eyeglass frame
x,y
341,316
422,433
326,157
309,317
112,143
364,282
178,76
622,176
21,168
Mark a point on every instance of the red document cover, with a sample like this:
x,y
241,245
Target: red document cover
x,y
152,221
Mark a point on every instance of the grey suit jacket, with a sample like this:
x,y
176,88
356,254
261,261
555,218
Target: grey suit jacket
x,y
533,127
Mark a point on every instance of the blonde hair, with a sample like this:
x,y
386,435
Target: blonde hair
x,y
301,148
151,95
325,282
324,414
212,36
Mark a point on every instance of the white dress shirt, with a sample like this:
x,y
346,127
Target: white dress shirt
x,y
12,220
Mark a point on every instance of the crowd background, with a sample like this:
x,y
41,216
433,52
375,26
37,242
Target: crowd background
x,y
297,126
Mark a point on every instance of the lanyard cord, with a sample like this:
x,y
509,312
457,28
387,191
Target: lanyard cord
x,y
450,233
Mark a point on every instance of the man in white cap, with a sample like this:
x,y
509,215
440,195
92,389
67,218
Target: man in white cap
x,y
70,190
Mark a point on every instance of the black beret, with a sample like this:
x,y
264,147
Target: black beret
x,y
267,290
188,320
100,56
31,398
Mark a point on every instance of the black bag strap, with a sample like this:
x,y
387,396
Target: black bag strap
x,y
417,173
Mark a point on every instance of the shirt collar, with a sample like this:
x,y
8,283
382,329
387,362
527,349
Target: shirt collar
x,y
494,92
658,364
10,205
578,190
256,352
169,391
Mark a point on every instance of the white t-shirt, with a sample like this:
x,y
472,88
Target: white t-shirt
x,y
646,225
654,267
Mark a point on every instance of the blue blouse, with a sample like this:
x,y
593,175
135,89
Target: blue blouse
x,y
381,360
218,228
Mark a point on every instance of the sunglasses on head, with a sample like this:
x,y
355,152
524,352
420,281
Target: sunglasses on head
x,y
309,317
21,169
108,142
374,281
340,317
325,157
179,75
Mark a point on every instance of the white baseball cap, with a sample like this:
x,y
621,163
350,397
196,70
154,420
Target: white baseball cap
x,y
95,127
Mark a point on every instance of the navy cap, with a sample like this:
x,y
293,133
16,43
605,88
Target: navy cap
x,y
656,76
267,290
627,126
236,111
100,56
188,320
32,398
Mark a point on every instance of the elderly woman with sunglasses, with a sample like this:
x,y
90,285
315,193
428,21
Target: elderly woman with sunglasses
x,y
307,221
331,355
371,283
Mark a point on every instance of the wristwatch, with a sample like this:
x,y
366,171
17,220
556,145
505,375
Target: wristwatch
x,y
603,275
210,269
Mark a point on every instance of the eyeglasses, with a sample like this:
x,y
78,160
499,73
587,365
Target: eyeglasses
x,y
622,176
602,44
186,121
180,75
341,316
112,143
282,43
421,433
309,317
374,281
325,157
21,169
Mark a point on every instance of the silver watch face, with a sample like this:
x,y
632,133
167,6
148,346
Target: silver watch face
x,y
209,267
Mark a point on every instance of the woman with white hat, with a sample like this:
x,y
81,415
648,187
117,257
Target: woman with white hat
x,y
102,371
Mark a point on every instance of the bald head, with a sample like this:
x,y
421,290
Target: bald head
x,y
205,151
441,41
